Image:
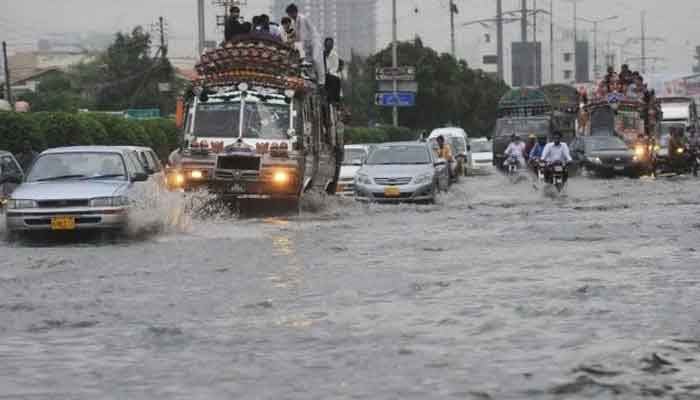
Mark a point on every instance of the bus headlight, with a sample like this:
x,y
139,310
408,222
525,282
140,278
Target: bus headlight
x,y
280,177
196,174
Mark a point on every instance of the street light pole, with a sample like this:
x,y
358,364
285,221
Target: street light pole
x,y
596,67
394,59
499,39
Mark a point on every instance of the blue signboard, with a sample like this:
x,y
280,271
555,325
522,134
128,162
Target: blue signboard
x,y
400,99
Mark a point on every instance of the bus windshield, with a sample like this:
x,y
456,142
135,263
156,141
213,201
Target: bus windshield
x,y
261,119
522,127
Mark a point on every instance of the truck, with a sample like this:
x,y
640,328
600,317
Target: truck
x,y
257,126
534,111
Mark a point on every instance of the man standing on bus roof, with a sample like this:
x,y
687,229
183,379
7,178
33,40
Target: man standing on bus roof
x,y
309,41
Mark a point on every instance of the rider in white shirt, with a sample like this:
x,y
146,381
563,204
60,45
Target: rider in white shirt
x,y
516,149
556,151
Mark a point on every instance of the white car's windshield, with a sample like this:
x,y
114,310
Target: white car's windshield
x,y
399,155
481,147
59,166
354,157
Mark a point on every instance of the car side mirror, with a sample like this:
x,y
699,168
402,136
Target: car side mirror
x,y
139,177
469,148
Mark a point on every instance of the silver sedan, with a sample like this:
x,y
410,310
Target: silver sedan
x,y
75,188
401,172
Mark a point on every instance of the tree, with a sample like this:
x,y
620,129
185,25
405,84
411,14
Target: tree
x,y
56,92
449,91
127,75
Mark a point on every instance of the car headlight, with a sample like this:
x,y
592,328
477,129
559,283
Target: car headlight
x,y
680,150
421,179
118,201
595,160
363,179
20,204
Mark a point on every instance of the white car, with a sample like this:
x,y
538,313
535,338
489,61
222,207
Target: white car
x,y
76,188
482,154
355,156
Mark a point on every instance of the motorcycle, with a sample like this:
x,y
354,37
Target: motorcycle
x,y
512,165
557,173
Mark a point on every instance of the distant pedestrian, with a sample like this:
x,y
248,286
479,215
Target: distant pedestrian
x,y
332,66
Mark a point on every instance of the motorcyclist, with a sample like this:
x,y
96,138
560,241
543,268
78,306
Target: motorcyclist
x,y
445,153
516,150
531,143
556,152
536,152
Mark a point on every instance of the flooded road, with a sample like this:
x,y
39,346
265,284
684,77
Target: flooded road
x,y
496,292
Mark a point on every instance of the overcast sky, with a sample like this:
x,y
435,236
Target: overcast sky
x,y
22,22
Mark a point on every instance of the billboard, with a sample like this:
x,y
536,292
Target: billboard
x,y
527,64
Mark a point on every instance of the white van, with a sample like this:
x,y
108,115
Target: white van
x,y
678,112
459,140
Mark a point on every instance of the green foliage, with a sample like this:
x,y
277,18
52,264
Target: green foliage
x,y
56,92
15,128
449,91
380,134
47,130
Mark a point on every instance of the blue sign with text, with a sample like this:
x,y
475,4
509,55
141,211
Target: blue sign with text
x,y
398,99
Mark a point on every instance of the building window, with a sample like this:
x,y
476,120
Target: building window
x,y
568,74
568,57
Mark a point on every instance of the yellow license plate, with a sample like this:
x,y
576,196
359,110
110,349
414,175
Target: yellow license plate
x,y
392,191
63,223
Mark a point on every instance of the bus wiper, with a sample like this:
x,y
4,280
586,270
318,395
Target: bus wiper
x,y
58,178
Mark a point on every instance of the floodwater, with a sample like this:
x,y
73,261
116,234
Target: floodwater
x,y
496,292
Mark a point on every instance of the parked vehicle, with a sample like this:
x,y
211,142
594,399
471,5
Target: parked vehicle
x,y
459,140
401,172
481,154
11,175
604,156
354,156
76,188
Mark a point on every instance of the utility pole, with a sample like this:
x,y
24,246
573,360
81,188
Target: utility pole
x,y
453,11
644,45
499,39
163,47
8,84
394,58
535,64
523,21
200,27
551,41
